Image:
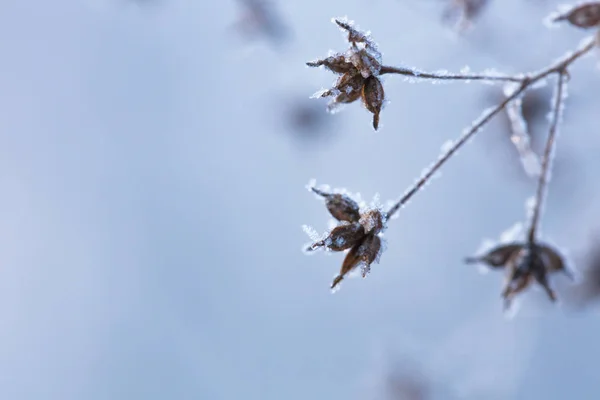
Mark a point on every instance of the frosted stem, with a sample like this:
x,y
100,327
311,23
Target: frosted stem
x,y
560,68
548,152
456,77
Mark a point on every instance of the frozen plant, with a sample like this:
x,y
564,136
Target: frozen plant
x,y
524,262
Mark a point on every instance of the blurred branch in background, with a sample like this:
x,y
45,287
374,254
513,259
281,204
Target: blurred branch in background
x,y
304,121
406,383
587,291
261,19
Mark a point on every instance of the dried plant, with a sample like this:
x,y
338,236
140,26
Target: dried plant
x,y
524,262
359,232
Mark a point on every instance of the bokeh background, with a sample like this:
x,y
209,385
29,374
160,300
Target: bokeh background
x,y
153,161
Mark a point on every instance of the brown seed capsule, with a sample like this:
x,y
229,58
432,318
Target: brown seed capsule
x,y
354,36
372,221
364,254
583,16
349,85
342,237
369,252
341,207
373,96
496,257
552,260
337,64
365,62
351,260
515,285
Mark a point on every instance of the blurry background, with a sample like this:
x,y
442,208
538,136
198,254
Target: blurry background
x,y
153,161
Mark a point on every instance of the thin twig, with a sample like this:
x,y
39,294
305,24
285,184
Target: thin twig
x,y
547,158
454,77
463,139
527,81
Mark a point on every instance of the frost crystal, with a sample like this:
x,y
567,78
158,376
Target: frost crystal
x,y
448,144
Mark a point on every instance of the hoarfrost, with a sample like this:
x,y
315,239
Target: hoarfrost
x,y
447,145
311,232
520,137
530,206
512,233
311,184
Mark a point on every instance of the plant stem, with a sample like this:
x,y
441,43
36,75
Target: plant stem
x,y
454,77
547,157
560,68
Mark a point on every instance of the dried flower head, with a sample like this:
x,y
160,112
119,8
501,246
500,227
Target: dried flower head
x,y
524,263
357,232
586,15
359,69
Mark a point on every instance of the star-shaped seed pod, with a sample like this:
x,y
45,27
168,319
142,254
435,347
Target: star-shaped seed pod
x,y
524,263
357,232
359,71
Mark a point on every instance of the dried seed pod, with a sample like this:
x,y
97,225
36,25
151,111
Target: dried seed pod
x,y
354,36
337,64
342,237
586,15
368,252
553,261
496,257
365,253
366,63
351,261
515,285
349,86
541,277
373,221
341,206
373,96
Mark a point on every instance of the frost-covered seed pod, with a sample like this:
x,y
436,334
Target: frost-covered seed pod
x,y
336,64
373,96
368,252
343,237
373,221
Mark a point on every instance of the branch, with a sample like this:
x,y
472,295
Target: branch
x,y
448,77
560,68
547,158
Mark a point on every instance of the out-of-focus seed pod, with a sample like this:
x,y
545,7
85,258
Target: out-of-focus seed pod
x,y
342,237
496,257
585,16
553,261
373,96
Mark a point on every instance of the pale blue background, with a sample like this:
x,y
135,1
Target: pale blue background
x,y
153,198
